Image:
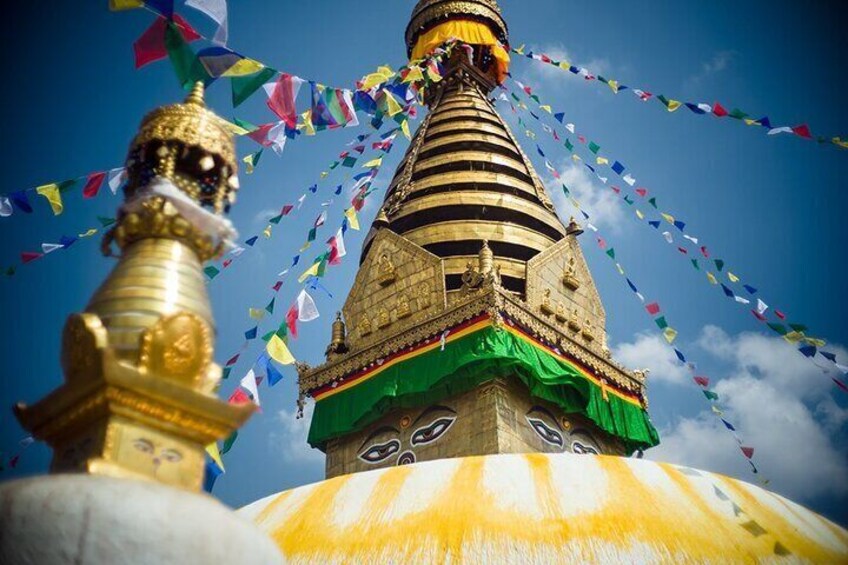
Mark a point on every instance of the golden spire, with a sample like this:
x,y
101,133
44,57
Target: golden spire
x,y
139,393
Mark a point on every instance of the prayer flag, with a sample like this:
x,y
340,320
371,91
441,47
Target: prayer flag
x,y
256,313
211,271
719,110
710,395
274,376
187,66
93,184
217,10
802,131
251,333
653,308
702,381
670,334
54,198
278,351
350,214
150,46
243,87
337,248
248,382
118,5
728,425
28,256
306,310
747,451
5,207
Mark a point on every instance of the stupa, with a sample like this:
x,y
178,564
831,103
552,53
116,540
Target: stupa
x,y
469,407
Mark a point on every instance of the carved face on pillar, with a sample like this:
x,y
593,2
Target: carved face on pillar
x,y
398,444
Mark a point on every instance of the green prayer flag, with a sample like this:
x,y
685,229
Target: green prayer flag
x,y
565,190
514,97
244,124
738,114
695,264
569,145
594,147
267,337
663,99
800,328
710,394
225,373
270,307
627,199
244,87
187,66
779,328
536,98
211,271
105,222
276,219
228,443
719,264
334,165
10,271
661,323
65,186
312,234
653,202
349,162
611,253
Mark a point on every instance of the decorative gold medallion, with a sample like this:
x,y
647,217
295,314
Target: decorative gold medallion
x,y
177,347
82,339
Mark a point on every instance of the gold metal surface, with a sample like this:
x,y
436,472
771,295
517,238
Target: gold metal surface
x,y
508,267
468,125
138,399
477,229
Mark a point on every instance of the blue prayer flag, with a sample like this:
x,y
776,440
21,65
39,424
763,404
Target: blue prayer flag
x,y
251,333
618,168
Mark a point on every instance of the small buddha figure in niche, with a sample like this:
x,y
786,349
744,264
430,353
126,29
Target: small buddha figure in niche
x,y
403,309
546,307
573,321
386,272
587,330
365,326
383,319
424,296
560,312
569,277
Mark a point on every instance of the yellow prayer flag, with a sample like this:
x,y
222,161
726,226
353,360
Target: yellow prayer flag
x,y
613,84
716,410
310,272
815,341
244,68
324,174
278,351
404,127
711,278
392,105
118,5
564,65
267,232
640,215
233,128
248,164
519,49
352,220
305,246
620,268
414,75
667,217
575,157
732,277
373,163
256,313
307,126
602,161
838,141
212,450
89,233
523,106
673,105
794,337
576,203
546,108
51,193
670,334
529,134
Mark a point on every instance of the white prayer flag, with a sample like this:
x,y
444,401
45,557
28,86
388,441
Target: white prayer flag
x,y
340,245
306,310
217,10
629,179
50,247
667,236
5,207
116,179
761,307
248,382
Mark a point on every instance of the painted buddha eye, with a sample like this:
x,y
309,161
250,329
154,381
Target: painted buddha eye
x,y
171,455
547,433
143,445
577,447
433,431
380,452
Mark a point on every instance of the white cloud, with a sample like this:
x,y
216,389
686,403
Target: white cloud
x,y
290,440
718,63
651,352
781,405
597,199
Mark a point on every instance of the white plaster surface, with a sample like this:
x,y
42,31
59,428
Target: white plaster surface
x,y
83,519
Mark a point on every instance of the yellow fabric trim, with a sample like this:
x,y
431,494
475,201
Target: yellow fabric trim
x,y
473,33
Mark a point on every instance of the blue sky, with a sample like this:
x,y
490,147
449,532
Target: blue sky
x,y
772,207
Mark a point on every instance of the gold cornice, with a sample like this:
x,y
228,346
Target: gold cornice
x,y
478,230
460,124
430,13
462,156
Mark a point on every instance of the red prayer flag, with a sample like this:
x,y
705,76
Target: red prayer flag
x,y
682,250
239,397
150,46
653,308
718,110
758,316
747,451
705,253
277,286
28,256
233,359
286,209
282,99
780,314
802,131
616,189
702,381
13,462
227,263
291,320
642,191
840,384
93,184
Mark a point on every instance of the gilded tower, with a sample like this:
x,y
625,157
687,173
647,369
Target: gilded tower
x,y
473,326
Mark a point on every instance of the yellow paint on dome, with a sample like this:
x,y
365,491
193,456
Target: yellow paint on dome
x,y
577,508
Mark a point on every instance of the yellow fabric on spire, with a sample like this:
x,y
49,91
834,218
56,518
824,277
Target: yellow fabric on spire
x,y
473,33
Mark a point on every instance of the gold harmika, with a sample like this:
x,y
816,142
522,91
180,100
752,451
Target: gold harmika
x,y
138,399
